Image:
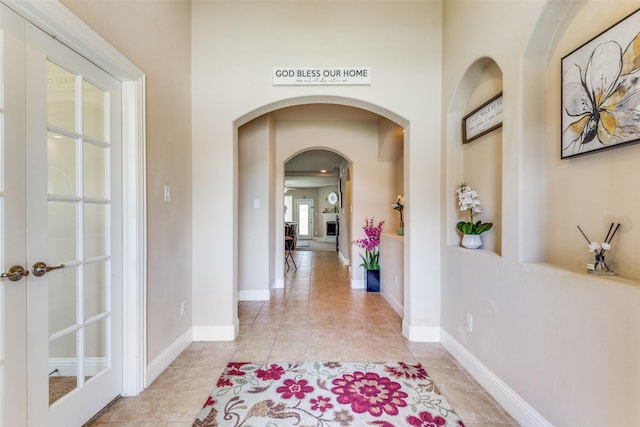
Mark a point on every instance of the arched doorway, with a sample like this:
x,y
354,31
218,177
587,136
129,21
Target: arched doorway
x,y
362,135
313,198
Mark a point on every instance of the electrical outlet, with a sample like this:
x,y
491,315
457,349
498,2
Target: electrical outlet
x,y
181,308
469,322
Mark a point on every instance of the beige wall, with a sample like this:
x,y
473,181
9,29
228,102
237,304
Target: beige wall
x,y
344,239
156,37
553,333
235,46
254,205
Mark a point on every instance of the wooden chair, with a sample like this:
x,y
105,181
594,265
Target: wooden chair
x,y
290,243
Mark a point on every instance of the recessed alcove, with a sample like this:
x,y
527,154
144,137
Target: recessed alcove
x,y
477,163
591,191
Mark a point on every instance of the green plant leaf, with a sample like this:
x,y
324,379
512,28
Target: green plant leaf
x,y
471,228
483,227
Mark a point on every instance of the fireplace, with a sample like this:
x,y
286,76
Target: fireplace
x,y
331,228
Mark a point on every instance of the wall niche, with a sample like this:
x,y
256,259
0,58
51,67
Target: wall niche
x,y
478,162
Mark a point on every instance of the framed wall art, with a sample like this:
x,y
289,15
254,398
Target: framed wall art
x,y
601,91
483,119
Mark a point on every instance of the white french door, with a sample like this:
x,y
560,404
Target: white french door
x,y
62,203
304,218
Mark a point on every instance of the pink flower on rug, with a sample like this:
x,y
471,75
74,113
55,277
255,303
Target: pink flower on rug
x,y
233,369
294,388
369,392
210,402
224,382
321,404
275,372
427,420
408,371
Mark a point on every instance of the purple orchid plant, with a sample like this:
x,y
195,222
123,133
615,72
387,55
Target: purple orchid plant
x,y
370,244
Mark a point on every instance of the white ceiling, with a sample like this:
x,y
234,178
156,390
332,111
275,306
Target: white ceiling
x,y
303,171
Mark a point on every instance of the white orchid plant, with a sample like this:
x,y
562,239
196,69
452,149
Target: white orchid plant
x,y
468,201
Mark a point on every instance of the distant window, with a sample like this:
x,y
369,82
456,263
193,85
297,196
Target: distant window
x,y
288,208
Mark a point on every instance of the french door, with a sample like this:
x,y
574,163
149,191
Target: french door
x,y
304,215
60,209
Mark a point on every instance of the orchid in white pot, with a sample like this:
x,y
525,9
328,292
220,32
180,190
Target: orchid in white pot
x,y
468,201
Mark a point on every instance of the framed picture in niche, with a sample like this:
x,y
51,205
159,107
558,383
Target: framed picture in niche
x,y
600,93
482,120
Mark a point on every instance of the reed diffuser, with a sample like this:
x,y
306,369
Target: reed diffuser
x,y
598,264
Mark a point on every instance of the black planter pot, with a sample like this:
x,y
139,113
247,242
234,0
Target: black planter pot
x,y
372,279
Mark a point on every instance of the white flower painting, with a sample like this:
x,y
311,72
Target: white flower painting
x,y
601,91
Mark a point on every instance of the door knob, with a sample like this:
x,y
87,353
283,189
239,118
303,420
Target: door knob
x,y
15,273
40,268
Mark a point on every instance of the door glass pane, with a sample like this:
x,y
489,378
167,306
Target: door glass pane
x,y
62,299
63,366
94,230
94,289
61,164
62,232
94,171
61,97
95,349
78,226
93,108
303,219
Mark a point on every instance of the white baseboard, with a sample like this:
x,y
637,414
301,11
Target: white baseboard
x,y
397,306
254,295
278,284
164,359
343,260
420,333
68,366
357,284
517,407
216,333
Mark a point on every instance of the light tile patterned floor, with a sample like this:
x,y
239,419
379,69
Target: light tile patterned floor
x,y
317,317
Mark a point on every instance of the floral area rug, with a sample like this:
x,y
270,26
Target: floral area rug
x,y
326,394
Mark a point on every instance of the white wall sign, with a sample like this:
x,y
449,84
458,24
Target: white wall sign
x,y
483,119
321,75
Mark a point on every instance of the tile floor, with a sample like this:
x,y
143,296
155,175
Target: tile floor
x,y
317,317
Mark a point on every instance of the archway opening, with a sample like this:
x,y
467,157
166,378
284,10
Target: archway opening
x,y
313,199
372,169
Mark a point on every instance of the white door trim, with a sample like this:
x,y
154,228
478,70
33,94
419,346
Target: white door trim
x,y
55,19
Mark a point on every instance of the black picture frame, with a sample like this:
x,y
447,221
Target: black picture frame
x,y
600,91
482,120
